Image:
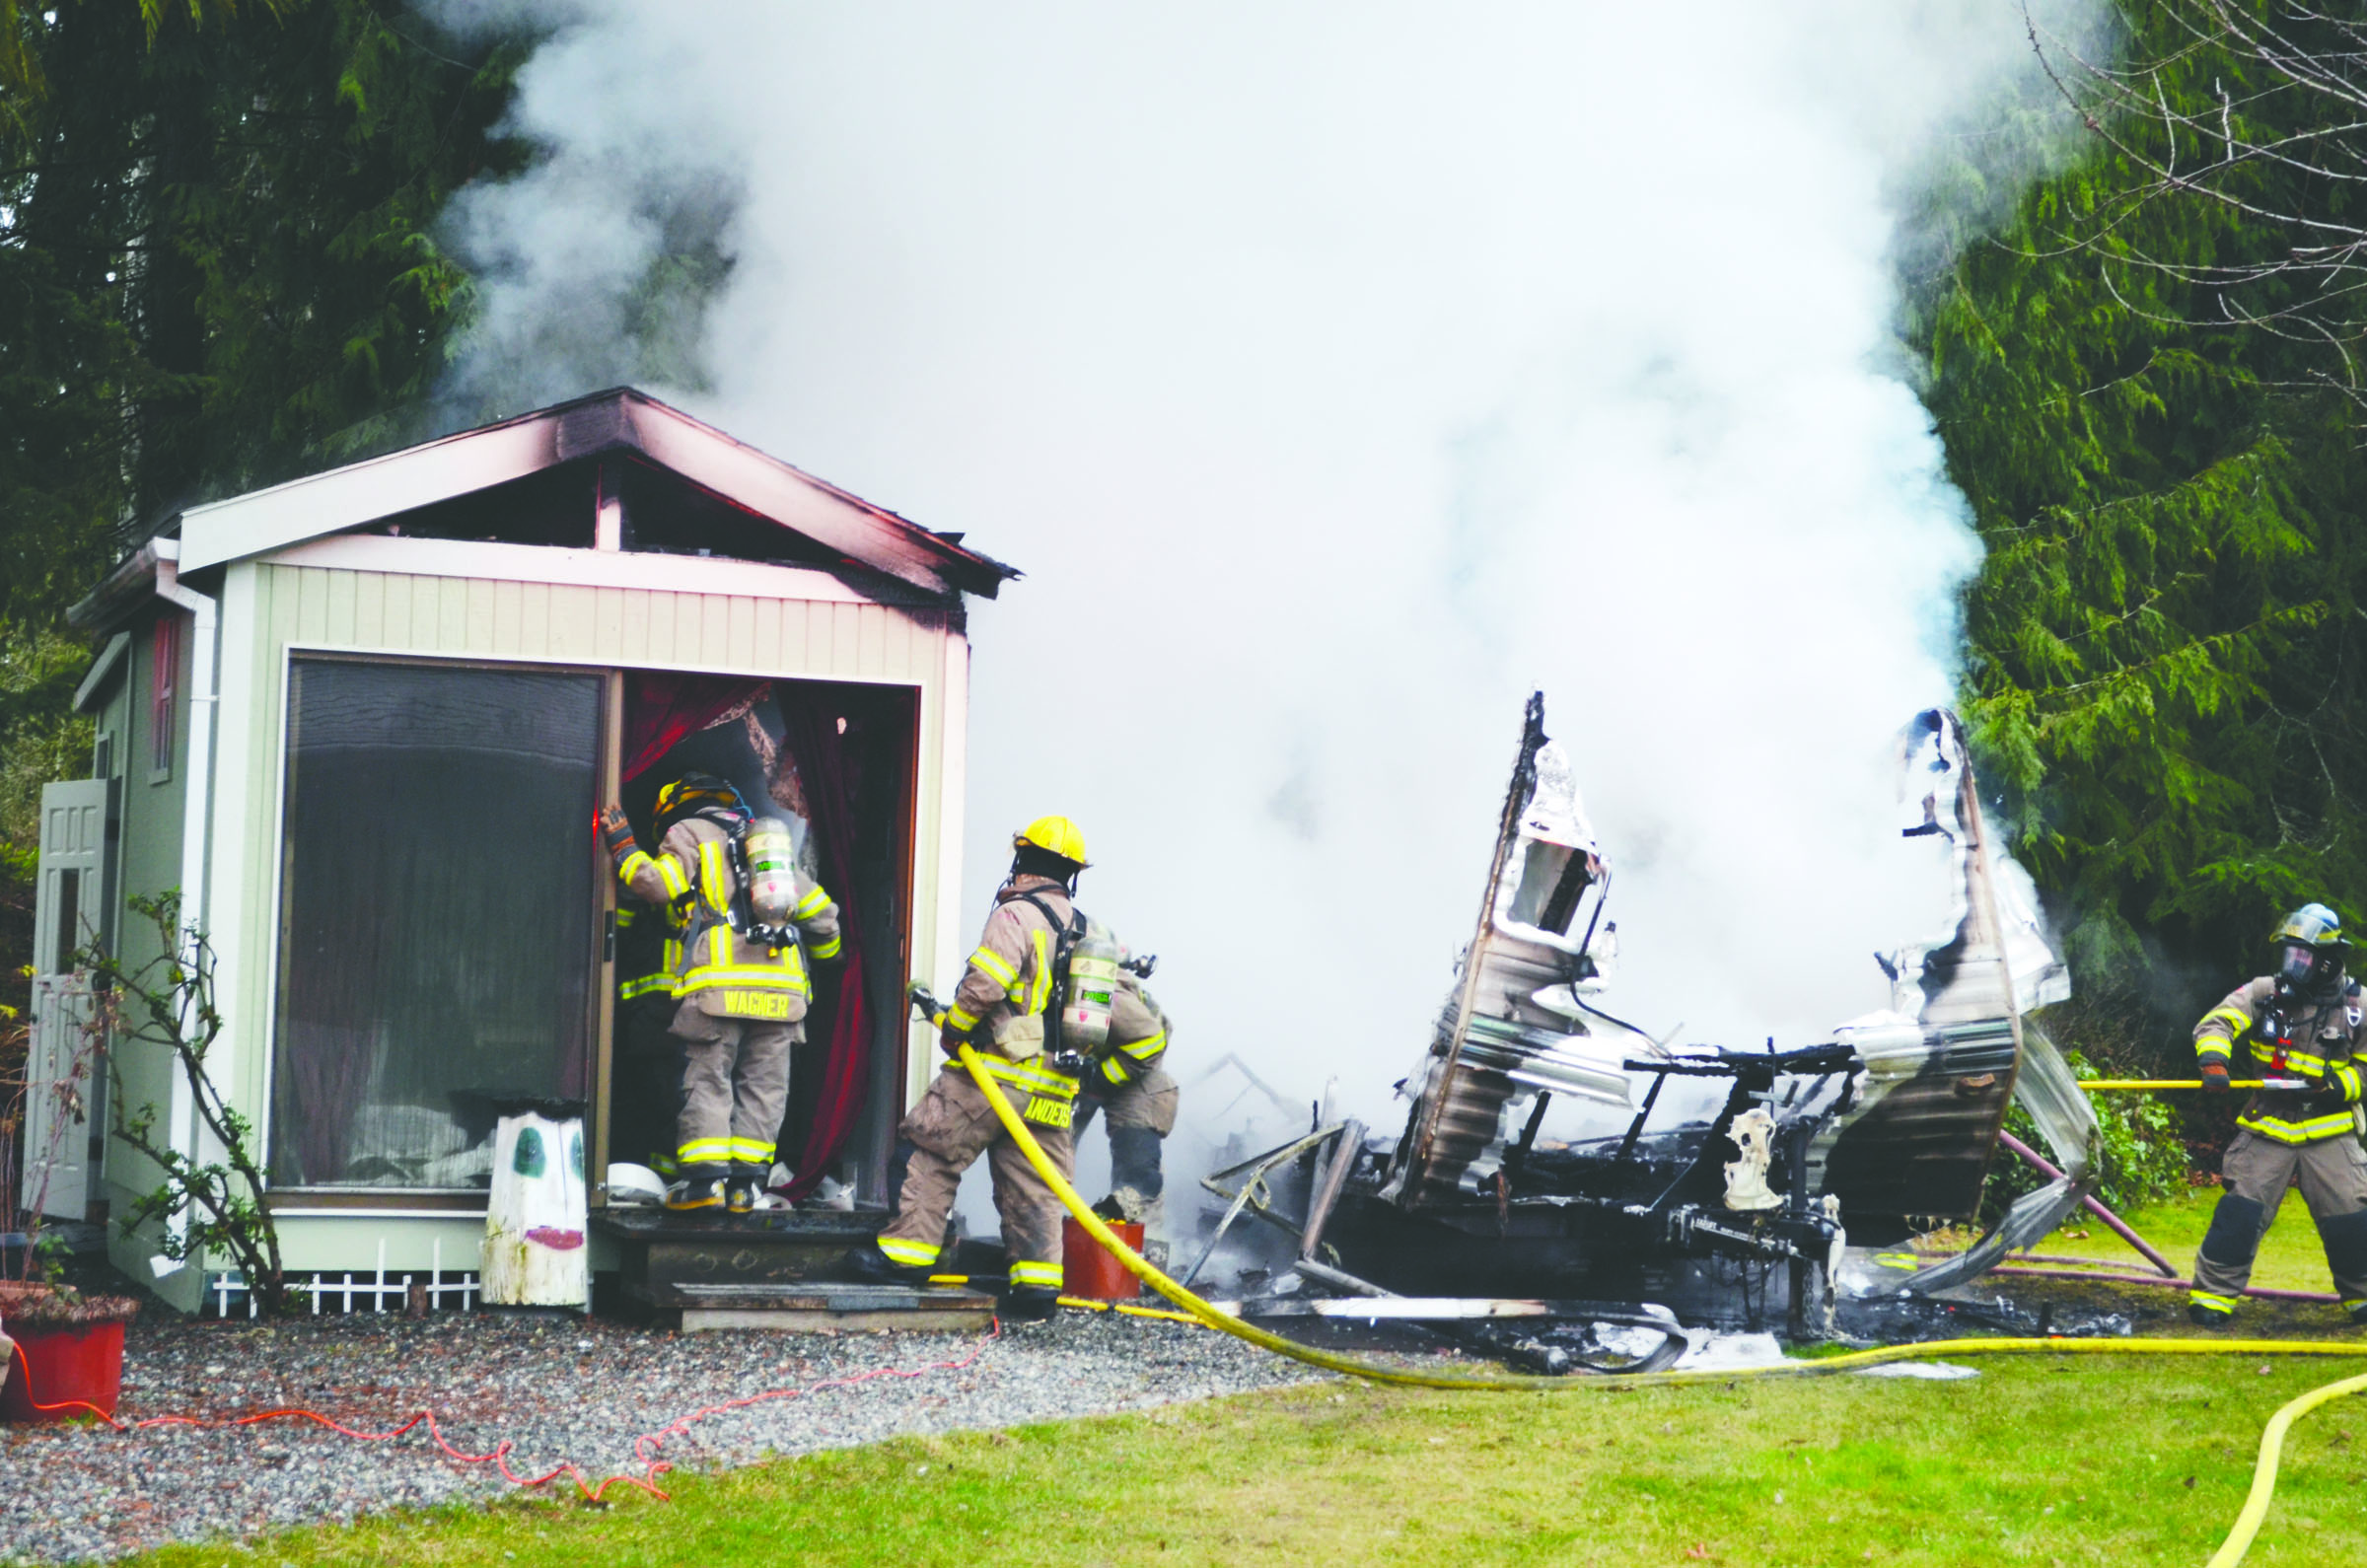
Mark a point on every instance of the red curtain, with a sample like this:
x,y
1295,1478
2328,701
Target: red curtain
x,y
660,709
815,739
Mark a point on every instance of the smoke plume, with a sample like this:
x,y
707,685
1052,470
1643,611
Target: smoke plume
x,y
1337,375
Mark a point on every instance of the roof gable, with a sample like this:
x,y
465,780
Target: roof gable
x,y
752,489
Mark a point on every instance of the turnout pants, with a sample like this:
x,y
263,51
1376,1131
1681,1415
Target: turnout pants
x,y
949,1129
2333,1174
735,1091
1140,1115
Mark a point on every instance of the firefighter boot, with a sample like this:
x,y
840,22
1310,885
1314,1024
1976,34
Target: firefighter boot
x,y
694,1192
2212,1315
1027,1304
868,1265
2357,1313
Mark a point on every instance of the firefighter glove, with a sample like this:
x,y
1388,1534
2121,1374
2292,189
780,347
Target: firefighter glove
x,y
616,834
2339,1086
2214,1078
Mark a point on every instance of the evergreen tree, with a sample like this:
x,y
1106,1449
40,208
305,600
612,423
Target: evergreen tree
x,y
2160,664
216,271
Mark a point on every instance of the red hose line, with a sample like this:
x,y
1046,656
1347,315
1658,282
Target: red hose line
x,y
645,1446
2120,1227
2264,1293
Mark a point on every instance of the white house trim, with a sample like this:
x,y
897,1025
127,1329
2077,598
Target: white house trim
x,y
543,563
363,492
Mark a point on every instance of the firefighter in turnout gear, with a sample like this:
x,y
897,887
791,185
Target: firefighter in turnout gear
x,y
649,1059
1127,1084
739,985
2301,1024
1002,1008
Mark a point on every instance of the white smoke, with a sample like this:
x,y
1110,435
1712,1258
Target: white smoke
x,y
1337,373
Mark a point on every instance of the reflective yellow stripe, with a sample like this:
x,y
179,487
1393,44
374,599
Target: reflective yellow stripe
x,y
812,904
2310,1132
637,856
767,978
645,985
2237,1023
677,881
2213,1048
625,917
1112,1071
2204,1298
705,1150
827,950
714,876
1039,984
1045,1276
748,1151
910,1255
2314,1066
961,1018
993,965
1142,1050
1030,1078
2349,1077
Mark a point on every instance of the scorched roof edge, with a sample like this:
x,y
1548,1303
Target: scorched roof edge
x,y
618,418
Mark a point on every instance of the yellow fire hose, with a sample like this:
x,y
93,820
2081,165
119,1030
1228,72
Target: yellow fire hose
x,y
2118,1083
2264,1475
2248,1523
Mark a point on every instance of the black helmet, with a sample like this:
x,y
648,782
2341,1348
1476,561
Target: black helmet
x,y
694,793
2308,952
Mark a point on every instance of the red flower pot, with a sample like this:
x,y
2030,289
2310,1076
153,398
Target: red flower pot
x,y
60,1372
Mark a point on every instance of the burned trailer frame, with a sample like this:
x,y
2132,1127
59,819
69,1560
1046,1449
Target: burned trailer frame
x,y
1899,1115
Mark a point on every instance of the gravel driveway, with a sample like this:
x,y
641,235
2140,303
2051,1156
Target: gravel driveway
x,y
581,1390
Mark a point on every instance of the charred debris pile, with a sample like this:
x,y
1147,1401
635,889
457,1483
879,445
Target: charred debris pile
x,y
1566,1191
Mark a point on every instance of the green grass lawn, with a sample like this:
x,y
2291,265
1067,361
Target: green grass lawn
x,y
2040,1460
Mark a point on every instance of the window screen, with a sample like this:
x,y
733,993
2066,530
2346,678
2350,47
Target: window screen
x,y
437,886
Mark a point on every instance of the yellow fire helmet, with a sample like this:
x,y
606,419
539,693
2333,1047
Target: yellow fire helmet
x,y
1056,835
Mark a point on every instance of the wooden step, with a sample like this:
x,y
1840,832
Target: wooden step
x,y
812,1307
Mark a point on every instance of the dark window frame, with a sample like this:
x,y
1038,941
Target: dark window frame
x,y
425,1199
164,694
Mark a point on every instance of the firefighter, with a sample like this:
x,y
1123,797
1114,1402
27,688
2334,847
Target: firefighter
x,y
740,1001
649,1059
2301,1021
1129,1083
999,1008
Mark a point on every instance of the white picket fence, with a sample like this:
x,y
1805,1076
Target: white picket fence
x,y
378,1290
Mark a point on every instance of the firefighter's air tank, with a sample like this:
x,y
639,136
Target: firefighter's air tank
x,y
772,855
1091,990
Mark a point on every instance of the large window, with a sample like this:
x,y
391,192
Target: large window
x,y
437,894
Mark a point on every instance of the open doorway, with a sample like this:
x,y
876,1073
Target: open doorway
x,y
838,761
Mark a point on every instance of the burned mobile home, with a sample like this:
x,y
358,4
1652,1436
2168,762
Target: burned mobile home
x,y
1551,1149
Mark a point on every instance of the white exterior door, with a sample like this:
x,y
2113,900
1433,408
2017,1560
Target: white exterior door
x,y
69,900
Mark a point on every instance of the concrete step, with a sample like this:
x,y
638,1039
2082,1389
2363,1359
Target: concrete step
x,y
815,1307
